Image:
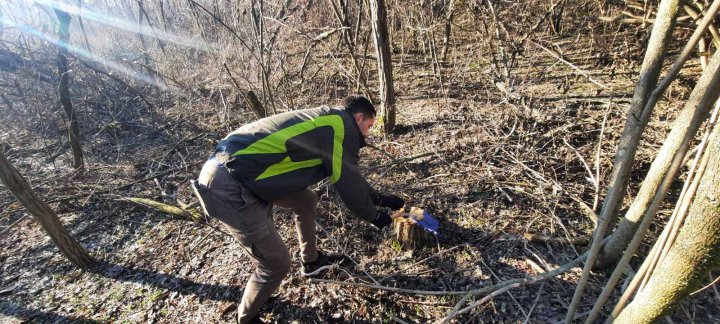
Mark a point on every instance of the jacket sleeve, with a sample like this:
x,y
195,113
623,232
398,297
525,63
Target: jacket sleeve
x,y
354,190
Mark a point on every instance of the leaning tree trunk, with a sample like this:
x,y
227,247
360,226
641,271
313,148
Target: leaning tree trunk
x,y
64,92
44,214
693,254
637,118
382,49
662,173
674,148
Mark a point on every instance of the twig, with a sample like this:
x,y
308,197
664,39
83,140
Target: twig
x,y
540,291
587,168
13,224
596,200
589,212
559,58
403,160
71,197
707,286
455,309
578,241
480,302
418,263
116,78
381,151
523,281
511,295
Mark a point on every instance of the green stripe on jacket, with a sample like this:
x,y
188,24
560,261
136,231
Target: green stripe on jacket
x,y
276,143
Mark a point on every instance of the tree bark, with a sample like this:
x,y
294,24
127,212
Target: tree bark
x,y
382,50
691,257
662,173
20,188
637,119
674,147
257,107
63,90
449,16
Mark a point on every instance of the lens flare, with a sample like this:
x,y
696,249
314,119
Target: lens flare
x,y
80,52
130,26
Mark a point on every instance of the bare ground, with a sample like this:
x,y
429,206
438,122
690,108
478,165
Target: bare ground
x,y
500,167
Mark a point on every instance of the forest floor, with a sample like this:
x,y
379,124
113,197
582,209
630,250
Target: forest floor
x,y
499,167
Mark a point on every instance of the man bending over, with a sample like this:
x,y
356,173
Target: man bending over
x,y
272,162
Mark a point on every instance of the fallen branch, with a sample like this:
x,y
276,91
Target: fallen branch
x,y
403,160
561,59
185,214
165,208
478,303
519,281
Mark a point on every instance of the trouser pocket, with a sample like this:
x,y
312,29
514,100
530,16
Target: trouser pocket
x,y
267,249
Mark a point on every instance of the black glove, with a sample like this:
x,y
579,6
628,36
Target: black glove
x,y
382,219
392,201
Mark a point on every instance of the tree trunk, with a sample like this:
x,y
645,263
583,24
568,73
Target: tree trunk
x,y
64,92
44,214
382,50
674,147
637,119
449,16
662,173
257,107
691,257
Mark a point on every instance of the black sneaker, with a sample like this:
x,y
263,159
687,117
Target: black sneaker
x,y
323,262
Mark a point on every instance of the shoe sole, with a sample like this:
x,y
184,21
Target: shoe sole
x,y
318,270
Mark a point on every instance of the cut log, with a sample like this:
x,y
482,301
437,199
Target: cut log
x,y
408,234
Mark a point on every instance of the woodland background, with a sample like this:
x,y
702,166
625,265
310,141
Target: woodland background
x,y
508,117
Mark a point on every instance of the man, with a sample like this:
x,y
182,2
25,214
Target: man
x,y
272,162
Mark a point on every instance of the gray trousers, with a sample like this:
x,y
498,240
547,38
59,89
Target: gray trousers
x,y
249,219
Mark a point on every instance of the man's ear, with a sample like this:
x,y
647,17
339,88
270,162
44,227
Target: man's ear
x,y
359,117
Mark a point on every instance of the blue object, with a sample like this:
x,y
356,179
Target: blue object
x,y
428,223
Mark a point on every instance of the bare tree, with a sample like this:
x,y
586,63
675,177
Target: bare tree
x,y
674,147
661,175
15,182
382,49
693,254
63,91
637,118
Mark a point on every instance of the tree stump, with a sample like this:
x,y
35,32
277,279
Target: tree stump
x,y
408,234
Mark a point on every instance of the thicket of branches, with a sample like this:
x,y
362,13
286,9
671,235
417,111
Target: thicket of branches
x,y
142,72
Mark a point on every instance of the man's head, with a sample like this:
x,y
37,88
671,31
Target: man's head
x,y
362,110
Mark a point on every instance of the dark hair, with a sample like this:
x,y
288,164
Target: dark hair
x,y
358,104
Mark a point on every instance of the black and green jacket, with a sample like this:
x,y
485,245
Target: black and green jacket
x,y
288,152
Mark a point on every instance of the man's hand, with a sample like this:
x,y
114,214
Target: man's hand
x,y
392,201
382,219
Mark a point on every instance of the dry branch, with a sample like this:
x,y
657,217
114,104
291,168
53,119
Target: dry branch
x,y
522,281
165,208
577,241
